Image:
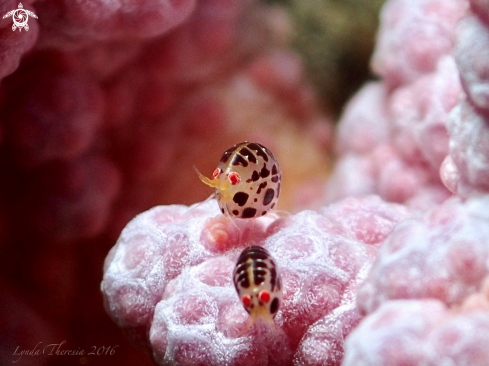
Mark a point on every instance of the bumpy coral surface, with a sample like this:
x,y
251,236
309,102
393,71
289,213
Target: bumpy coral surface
x,y
393,136
443,255
465,170
403,284
423,332
413,36
105,106
149,106
168,281
425,297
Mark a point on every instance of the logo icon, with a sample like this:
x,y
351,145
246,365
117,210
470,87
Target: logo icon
x,y
20,17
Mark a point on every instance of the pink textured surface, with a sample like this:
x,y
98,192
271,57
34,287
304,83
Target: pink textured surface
x,y
393,136
364,123
419,112
169,276
140,105
105,106
69,24
472,53
413,36
425,130
465,170
443,255
420,332
323,343
402,160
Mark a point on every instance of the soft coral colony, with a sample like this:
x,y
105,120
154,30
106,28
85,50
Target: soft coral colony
x,y
105,107
361,269
392,269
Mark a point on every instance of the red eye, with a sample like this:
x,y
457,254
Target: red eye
x,y
246,300
234,178
216,173
264,296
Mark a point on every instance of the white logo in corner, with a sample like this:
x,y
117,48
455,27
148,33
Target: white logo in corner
x,y
20,17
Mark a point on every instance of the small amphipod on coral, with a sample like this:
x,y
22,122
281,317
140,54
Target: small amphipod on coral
x,y
247,181
172,291
258,283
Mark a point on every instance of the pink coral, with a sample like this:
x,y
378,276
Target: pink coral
x,y
323,343
415,332
105,107
430,116
70,24
413,36
418,277
365,121
392,137
439,260
465,170
165,277
443,255
471,53
143,104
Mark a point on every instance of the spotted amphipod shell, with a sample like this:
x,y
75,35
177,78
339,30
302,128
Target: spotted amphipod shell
x,y
247,180
258,283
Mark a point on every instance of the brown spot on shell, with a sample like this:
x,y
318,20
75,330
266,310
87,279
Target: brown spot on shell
x,y
248,155
264,172
261,186
274,305
260,150
248,212
241,198
269,194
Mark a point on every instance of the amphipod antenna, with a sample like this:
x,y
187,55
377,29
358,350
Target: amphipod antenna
x,y
210,182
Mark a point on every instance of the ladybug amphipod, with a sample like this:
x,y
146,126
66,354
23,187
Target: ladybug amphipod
x,y
247,180
258,283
